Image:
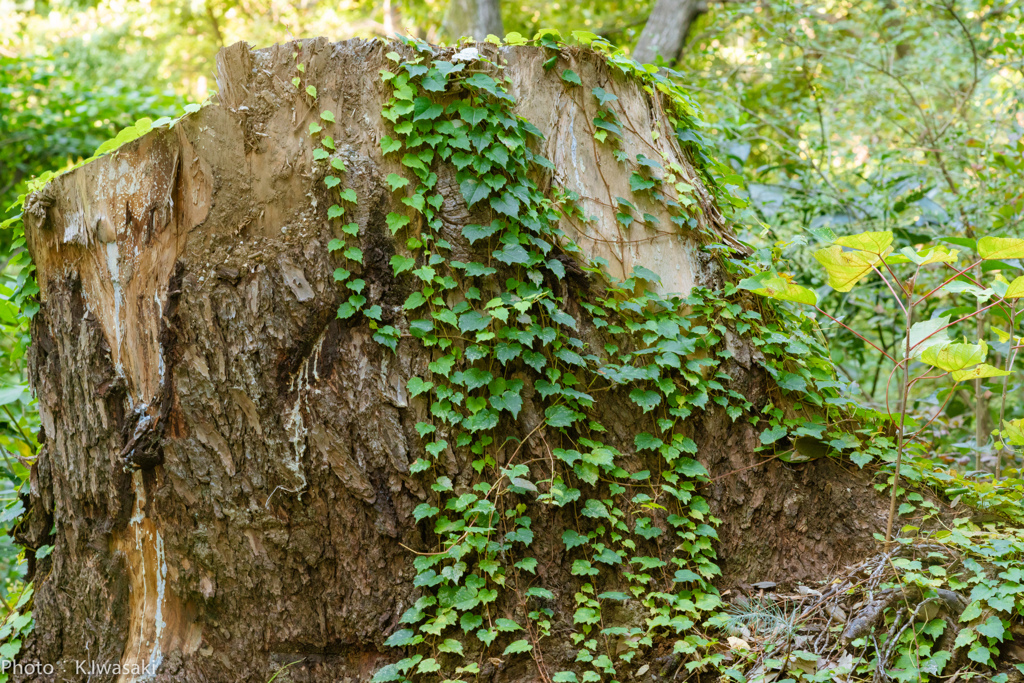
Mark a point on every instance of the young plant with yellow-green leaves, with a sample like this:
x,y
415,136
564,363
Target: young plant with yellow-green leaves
x,y
851,259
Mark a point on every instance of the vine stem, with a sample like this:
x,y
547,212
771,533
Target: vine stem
x,y
980,402
1011,354
903,412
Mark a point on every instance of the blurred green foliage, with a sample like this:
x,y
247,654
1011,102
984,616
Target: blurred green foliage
x,y
844,117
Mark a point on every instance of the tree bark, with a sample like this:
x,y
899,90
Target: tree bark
x,y
666,30
226,464
473,18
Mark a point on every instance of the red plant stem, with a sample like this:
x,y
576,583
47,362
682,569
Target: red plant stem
x,y
863,338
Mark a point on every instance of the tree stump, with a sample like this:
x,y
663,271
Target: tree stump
x,y
226,463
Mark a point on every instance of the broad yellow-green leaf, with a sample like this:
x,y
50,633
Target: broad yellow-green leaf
x,y
1000,247
937,254
871,242
1016,289
926,334
845,268
980,372
952,357
775,287
1013,432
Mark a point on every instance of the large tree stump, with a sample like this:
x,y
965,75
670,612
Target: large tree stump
x,y
226,463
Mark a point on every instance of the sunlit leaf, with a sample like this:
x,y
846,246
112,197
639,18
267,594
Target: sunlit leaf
x,y
1013,432
1000,247
845,268
981,372
952,357
872,242
1016,289
779,288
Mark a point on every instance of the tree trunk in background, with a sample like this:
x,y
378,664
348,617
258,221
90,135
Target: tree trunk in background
x,y
227,464
666,29
473,18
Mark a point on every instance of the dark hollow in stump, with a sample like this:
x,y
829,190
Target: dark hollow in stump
x,y
188,330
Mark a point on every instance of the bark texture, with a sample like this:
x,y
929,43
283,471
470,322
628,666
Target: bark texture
x,y
226,464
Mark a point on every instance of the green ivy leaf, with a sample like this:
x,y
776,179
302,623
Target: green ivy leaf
x,y
403,637
470,621
517,646
506,204
572,539
428,666
512,254
414,301
791,382
396,222
773,434
474,321
483,82
474,191
354,254
451,646
434,81
418,386
645,442
400,264
646,399
970,613
980,654
570,76
603,97
559,416
993,628
507,625
388,145
424,109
